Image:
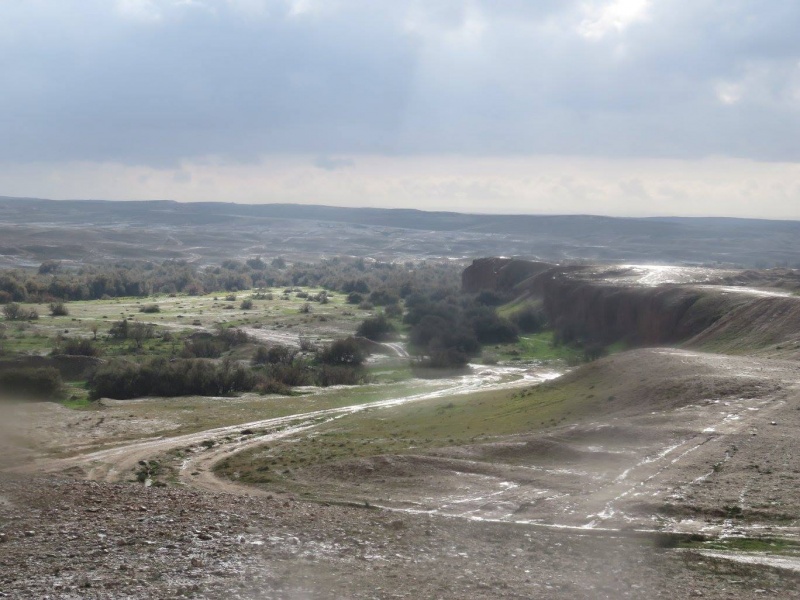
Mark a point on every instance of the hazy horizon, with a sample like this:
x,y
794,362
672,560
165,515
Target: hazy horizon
x,y
611,107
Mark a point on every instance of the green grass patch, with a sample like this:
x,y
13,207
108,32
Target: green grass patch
x,y
536,347
78,403
178,315
518,305
415,428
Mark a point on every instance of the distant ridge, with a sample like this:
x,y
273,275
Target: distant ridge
x,y
216,229
404,218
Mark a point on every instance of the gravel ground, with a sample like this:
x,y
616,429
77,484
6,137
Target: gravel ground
x,y
61,538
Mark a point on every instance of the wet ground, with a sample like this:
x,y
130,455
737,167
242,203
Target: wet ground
x,y
670,440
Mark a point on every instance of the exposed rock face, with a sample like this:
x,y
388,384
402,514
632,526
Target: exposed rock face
x,y
584,310
500,274
584,304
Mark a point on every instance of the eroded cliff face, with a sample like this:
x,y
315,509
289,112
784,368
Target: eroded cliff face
x,y
585,304
641,316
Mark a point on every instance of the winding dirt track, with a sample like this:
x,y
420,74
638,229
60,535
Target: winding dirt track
x,y
591,497
210,446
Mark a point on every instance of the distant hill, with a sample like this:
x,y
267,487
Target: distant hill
x,y
35,229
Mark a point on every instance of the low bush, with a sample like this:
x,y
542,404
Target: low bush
x,y
274,355
490,298
382,298
297,373
178,377
273,386
15,312
529,319
58,309
354,298
207,345
345,351
375,328
31,384
328,375
150,308
77,347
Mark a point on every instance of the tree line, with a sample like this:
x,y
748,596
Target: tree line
x,y
53,281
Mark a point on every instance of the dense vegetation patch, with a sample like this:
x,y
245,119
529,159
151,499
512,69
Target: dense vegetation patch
x,y
122,379
381,283
31,384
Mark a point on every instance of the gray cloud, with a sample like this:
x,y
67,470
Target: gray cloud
x,y
330,163
154,82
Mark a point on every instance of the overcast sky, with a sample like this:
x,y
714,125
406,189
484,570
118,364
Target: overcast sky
x,y
623,107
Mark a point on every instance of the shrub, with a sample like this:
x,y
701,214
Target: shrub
x,y
31,383
345,351
119,330
489,328
261,356
306,345
274,355
375,328
273,386
150,308
58,309
160,377
206,345
354,298
78,347
297,373
490,298
446,358
435,334
328,375
382,298
247,304
393,311
15,312
529,320
256,263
